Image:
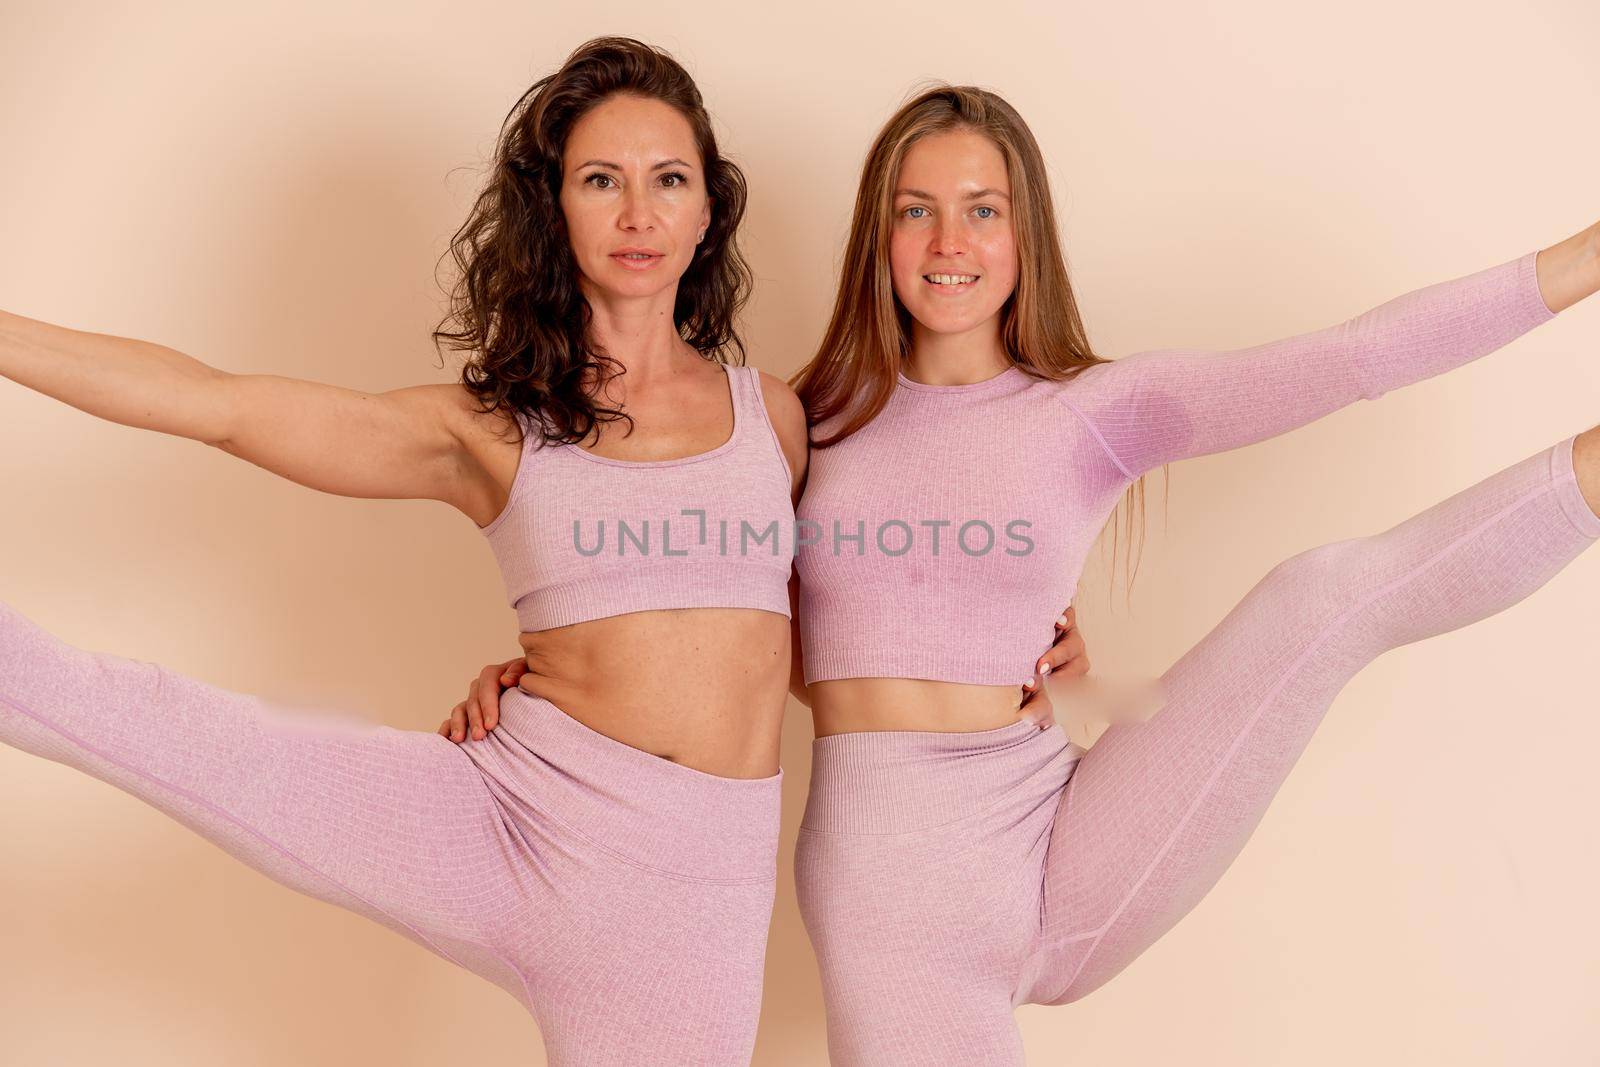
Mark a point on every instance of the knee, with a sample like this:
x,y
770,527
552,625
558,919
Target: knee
x,y
1314,580
1313,599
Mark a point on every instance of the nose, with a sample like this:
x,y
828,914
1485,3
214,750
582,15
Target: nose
x,y
950,238
634,214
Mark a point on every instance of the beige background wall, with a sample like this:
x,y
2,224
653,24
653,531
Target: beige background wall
x,y
269,191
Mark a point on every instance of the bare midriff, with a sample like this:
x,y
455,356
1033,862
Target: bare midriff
x,y
847,705
704,687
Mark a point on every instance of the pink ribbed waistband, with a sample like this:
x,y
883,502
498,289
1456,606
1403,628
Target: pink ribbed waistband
x,y
642,808
898,781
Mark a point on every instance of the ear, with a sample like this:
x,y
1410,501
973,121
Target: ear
x,y
705,215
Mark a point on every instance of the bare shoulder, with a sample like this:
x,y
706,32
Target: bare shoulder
x,y
788,416
473,427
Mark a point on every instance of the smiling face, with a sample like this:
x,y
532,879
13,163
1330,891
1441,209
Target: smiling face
x,y
952,250
633,194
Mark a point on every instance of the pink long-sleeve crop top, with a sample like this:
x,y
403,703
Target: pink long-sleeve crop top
x,y
942,539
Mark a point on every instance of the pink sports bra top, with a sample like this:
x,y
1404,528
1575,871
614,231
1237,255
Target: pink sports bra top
x,y
584,536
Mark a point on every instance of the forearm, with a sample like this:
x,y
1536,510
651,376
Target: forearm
x,y
797,672
1163,405
128,381
1570,270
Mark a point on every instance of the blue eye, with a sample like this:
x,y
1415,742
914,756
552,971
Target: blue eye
x,y
990,210
914,207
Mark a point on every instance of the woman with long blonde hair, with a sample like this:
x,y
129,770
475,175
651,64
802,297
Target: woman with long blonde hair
x,y
951,865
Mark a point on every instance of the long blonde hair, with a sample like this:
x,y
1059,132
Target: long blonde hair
x,y
869,332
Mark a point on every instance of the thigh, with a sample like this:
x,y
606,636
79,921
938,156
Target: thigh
x,y
627,965
646,891
920,930
918,941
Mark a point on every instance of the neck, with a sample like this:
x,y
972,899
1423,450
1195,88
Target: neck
x,y
956,358
637,332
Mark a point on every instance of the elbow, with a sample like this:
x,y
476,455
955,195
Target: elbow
x,y
213,424
797,686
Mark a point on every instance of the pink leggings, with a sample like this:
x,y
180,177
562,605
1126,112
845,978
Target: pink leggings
x,y
946,878
623,899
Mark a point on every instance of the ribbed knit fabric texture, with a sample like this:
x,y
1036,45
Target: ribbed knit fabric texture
x,y
947,534
584,536
622,898
945,878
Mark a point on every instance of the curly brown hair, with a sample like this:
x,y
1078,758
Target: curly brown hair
x,y
516,304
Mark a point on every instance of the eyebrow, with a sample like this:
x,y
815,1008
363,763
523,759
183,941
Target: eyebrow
x,y
920,195
615,166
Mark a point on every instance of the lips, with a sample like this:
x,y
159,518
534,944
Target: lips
x,y
951,281
636,258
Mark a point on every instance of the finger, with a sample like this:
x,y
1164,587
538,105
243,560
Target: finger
x,y
1036,707
1066,649
490,684
1068,619
515,669
474,712
444,729
458,722
1067,632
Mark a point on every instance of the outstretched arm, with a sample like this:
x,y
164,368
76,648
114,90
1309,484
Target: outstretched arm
x,y
1162,405
400,444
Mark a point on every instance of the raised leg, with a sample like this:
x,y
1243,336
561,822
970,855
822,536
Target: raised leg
x,y
1157,810
394,825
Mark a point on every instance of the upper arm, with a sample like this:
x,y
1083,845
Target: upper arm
x,y
788,417
402,444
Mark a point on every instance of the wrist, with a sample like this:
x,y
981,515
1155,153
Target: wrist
x,y
1569,270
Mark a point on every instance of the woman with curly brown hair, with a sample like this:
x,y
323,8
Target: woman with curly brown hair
x,y
608,854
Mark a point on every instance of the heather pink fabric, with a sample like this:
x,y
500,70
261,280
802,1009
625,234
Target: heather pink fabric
x,y
946,878
585,536
622,898
1032,468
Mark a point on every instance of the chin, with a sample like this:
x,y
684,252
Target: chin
x,y
625,283
942,321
